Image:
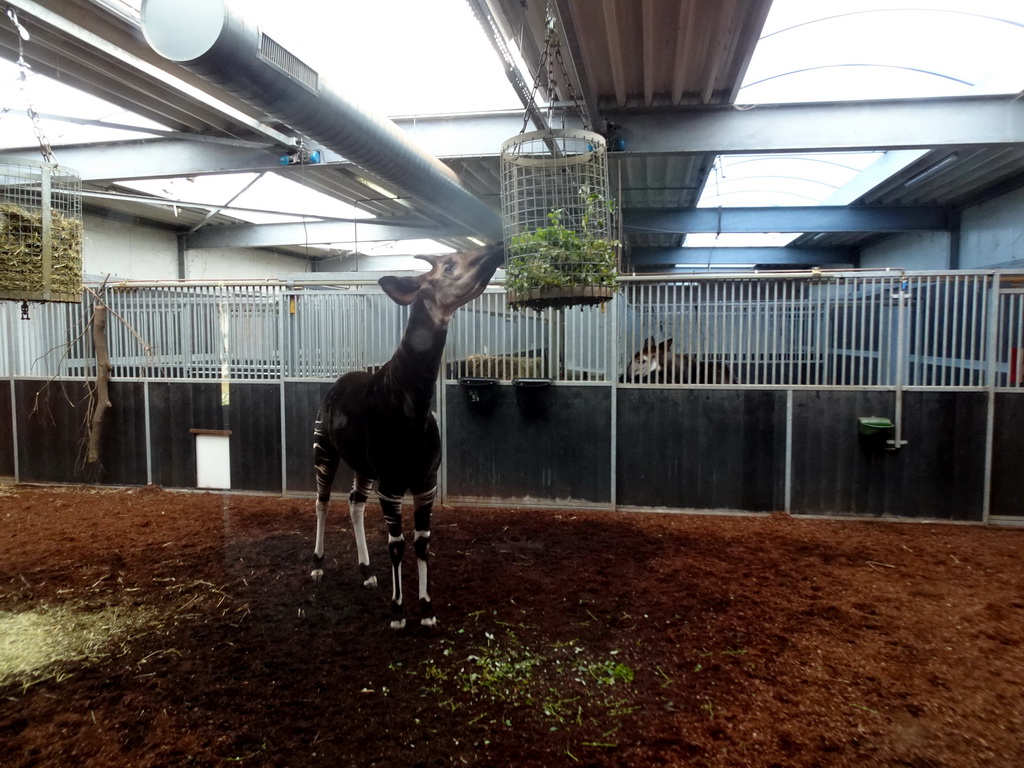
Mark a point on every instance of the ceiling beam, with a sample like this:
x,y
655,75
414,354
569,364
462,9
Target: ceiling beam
x,y
310,233
856,125
966,121
644,259
787,219
839,126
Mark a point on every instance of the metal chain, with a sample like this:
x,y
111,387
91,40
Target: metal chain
x,y
23,68
551,54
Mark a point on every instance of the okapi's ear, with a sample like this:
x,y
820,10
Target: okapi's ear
x,y
649,344
402,290
666,344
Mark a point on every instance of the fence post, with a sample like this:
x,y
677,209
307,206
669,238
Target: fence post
x,y
991,351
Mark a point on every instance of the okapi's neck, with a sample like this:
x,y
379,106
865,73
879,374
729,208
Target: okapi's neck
x,y
417,361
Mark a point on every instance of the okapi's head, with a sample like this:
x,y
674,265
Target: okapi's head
x,y
648,361
453,279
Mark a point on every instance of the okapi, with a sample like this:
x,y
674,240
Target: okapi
x,y
657,364
381,425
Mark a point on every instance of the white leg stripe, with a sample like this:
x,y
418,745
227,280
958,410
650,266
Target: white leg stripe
x,y
427,497
359,529
424,594
420,535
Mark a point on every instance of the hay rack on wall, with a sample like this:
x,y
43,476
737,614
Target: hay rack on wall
x,y
40,232
557,219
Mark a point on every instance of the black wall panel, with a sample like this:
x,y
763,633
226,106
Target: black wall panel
x,y
301,401
938,474
1007,452
253,416
701,448
123,444
676,448
558,448
6,431
51,418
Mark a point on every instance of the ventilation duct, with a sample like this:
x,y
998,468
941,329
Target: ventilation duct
x,y
215,42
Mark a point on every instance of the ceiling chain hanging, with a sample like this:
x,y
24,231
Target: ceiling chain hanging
x,y
23,69
549,58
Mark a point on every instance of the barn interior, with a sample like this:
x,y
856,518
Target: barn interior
x,y
819,209
742,136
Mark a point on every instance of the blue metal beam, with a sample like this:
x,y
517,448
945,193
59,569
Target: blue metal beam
x,y
310,233
648,259
788,219
859,125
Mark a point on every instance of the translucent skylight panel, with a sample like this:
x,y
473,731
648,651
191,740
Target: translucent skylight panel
x,y
269,197
62,112
869,49
782,179
739,239
807,178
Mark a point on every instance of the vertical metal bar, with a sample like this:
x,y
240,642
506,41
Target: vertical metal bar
x,y
788,481
13,398
900,353
927,353
960,329
613,405
760,311
772,355
973,327
282,319
149,432
947,331
871,345
992,329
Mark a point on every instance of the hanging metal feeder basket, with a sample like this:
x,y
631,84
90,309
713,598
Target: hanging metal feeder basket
x,y
40,232
557,219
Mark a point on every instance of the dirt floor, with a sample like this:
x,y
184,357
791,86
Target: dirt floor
x,y
150,628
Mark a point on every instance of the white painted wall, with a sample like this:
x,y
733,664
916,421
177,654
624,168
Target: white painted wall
x,y
131,252
125,250
992,234
238,264
915,250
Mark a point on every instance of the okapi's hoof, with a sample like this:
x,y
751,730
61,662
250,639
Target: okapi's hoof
x,y
397,616
317,574
428,619
369,580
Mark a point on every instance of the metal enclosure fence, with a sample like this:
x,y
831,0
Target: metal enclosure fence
x,y
821,330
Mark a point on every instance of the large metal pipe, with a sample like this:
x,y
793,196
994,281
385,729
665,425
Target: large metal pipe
x,y
212,40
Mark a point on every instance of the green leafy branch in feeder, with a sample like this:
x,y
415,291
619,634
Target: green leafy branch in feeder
x,y
561,256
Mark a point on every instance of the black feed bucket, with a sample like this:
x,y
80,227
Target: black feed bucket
x,y
532,395
479,392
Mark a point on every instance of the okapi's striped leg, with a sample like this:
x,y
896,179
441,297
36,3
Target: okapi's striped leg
x,y
391,505
361,488
325,460
423,503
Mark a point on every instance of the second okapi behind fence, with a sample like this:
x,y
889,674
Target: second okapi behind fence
x,y
380,423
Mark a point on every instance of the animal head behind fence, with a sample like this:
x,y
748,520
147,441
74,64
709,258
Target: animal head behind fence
x,y
649,364
658,364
